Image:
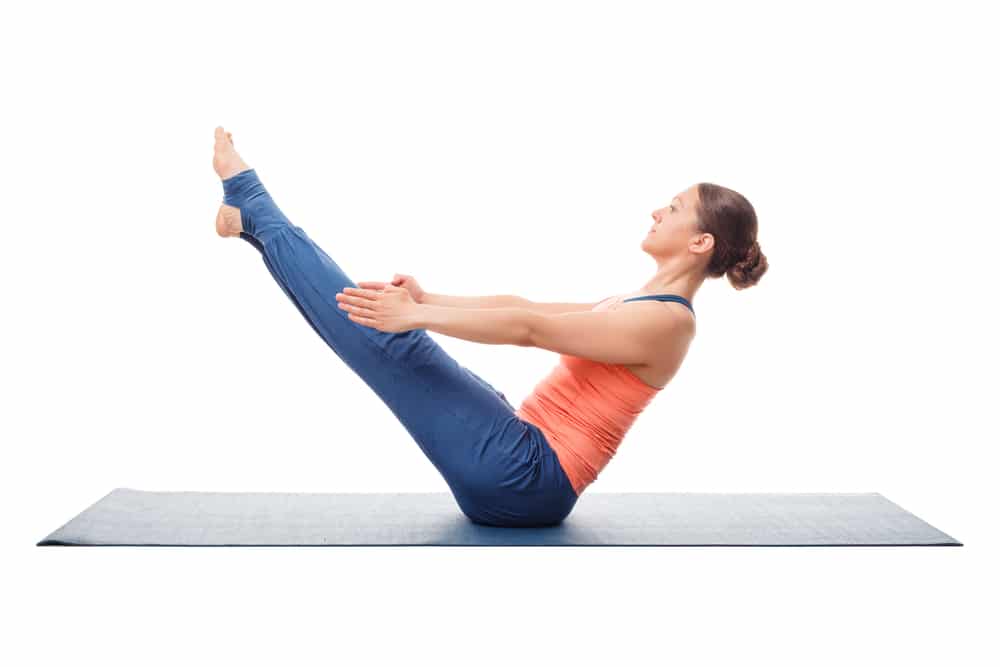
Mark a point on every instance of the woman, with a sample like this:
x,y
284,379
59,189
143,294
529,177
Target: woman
x,y
507,467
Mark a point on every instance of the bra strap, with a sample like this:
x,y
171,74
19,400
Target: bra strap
x,y
664,297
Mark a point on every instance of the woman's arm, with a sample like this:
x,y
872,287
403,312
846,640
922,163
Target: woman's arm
x,y
498,301
633,335
613,337
493,326
503,301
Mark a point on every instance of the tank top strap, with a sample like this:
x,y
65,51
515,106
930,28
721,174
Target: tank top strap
x,y
664,297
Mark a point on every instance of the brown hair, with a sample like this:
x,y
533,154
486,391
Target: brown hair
x,y
731,220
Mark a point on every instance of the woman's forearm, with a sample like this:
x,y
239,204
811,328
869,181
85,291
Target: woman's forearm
x,y
493,326
498,301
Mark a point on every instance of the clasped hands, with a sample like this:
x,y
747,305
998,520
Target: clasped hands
x,y
390,309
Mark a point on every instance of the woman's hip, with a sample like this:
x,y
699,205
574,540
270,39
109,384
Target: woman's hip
x,y
521,484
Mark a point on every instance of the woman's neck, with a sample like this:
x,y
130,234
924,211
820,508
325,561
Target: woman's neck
x,y
666,281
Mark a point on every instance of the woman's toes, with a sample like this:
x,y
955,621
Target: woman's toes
x,y
226,161
228,222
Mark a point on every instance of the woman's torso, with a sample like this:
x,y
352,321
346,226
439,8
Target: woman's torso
x,y
585,407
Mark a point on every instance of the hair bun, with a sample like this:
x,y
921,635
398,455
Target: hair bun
x,y
748,270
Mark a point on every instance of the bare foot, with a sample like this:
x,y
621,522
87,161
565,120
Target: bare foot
x,y
226,161
228,222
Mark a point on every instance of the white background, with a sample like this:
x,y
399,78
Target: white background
x,y
498,148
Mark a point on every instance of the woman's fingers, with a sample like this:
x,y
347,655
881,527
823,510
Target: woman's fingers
x,y
355,301
357,313
372,284
361,293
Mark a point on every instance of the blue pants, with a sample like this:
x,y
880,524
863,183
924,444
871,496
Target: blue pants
x,y
500,469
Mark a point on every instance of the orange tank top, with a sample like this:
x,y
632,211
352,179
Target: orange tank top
x,y
584,408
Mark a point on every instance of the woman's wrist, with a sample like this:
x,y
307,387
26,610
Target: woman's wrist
x,y
419,318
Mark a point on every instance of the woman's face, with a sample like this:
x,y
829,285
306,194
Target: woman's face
x,y
673,225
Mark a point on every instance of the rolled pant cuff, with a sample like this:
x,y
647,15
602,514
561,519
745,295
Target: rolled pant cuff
x,y
259,216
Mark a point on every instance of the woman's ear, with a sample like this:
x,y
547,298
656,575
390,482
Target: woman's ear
x,y
703,243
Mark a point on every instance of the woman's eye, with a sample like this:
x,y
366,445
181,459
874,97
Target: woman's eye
x,y
671,208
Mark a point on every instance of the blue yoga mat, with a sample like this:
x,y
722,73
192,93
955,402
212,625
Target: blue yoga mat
x,y
130,517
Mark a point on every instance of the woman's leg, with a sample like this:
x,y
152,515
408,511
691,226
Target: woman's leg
x,y
465,427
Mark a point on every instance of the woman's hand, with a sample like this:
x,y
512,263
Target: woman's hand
x,y
409,283
391,309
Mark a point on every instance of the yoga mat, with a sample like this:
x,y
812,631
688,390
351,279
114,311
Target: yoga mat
x,y
130,517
